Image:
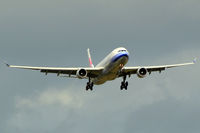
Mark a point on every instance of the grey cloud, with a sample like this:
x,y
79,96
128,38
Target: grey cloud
x,y
166,116
49,33
158,103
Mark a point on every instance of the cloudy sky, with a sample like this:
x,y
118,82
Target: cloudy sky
x,y
58,32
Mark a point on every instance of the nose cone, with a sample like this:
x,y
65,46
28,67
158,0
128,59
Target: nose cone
x,y
121,50
127,52
122,54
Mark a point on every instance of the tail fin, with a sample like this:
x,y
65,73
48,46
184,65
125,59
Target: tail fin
x,y
90,59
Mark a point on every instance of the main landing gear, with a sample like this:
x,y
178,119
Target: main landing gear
x,y
124,84
89,85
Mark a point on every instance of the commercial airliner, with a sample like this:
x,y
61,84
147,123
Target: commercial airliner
x,y
110,68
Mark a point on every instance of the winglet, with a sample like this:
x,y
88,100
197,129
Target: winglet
x,y
195,60
90,59
6,63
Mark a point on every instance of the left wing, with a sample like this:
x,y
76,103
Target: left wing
x,y
133,70
71,72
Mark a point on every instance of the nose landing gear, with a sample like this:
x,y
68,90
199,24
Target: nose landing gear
x,y
124,84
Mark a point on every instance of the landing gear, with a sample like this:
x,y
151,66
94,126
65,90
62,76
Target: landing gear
x,y
89,85
124,84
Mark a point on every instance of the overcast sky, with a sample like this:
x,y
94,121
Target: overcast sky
x,y
58,32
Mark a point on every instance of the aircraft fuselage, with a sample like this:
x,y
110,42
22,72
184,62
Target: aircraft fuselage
x,y
113,64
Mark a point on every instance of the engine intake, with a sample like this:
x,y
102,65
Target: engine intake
x,y
81,73
142,72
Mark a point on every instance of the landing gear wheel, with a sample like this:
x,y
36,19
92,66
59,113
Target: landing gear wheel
x,y
87,88
124,84
89,85
121,87
126,87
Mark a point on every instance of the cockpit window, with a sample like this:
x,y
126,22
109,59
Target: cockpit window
x,y
122,51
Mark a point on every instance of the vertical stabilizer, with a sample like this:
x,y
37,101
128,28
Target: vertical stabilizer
x,y
90,59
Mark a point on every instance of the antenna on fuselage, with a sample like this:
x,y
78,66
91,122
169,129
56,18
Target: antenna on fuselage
x,y
90,59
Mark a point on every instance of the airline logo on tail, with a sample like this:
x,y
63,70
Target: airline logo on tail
x,y
90,59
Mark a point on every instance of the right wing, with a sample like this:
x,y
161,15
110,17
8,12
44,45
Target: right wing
x,y
133,70
70,72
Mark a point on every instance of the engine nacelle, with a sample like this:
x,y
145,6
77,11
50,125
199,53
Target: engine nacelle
x,y
142,72
81,73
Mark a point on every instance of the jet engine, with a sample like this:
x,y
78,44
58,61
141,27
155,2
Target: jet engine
x,y
81,73
142,72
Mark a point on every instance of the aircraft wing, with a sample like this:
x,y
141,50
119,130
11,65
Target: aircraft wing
x,y
133,70
68,72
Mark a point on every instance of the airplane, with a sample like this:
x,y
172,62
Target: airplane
x,y
110,68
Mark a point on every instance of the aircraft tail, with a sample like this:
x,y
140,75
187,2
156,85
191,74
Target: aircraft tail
x,y
90,59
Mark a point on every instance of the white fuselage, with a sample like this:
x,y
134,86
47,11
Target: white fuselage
x,y
113,63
